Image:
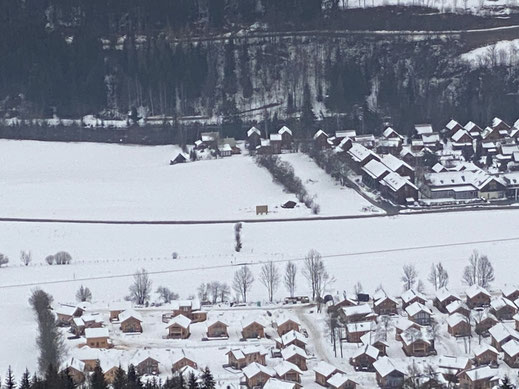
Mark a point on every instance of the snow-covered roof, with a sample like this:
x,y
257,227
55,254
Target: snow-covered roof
x,y
65,310
390,131
373,337
285,319
502,302
478,179
275,137
285,366
481,373
383,299
274,383
78,322
455,363
471,126
319,133
497,121
500,332
141,355
460,134
433,137
130,313
359,153
291,336
474,290
483,348
369,350
509,290
284,129
96,333
325,369
246,322
187,370
253,130
75,364
292,350
385,366
255,368
226,147
417,307
455,319
394,163
412,335
180,320
455,305
511,347
444,294
360,326
362,309
423,129
396,181
375,169
410,294
346,134
403,323
438,168
208,136
452,124
338,380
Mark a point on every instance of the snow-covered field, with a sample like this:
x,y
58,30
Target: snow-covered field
x,y
332,198
352,250
99,181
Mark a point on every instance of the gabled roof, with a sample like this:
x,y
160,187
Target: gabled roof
x,y
403,324
452,124
471,126
500,332
394,163
453,307
274,383
497,121
389,132
410,294
179,320
511,347
395,182
509,290
293,335
359,153
130,313
338,379
319,133
247,322
454,363
474,290
66,310
483,348
502,302
481,373
253,130
460,134
360,326
362,309
417,307
443,294
367,349
456,318
375,169
412,335
423,129
255,368
386,366
346,134
284,129
324,368
292,350
284,367
285,319
383,299
75,363
374,337
275,137
96,333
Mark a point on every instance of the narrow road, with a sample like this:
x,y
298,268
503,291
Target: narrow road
x,y
260,219
315,335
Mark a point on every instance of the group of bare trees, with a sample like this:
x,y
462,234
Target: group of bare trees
x,y
214,292
479,272
140,290
60,258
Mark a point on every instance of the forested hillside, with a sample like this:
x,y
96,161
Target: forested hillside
x,y
233,62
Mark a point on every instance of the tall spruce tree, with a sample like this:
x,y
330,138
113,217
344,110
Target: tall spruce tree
x,y
97,380
10,383
207,379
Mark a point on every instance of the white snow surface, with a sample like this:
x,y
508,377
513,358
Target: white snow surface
x,y
504,52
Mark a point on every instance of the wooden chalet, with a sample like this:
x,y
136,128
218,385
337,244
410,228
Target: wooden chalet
x,y
389,373
501,334
295,355
385,306
252,330
65,314
291,338
477,297
364,357
503,308
239,358
321,140
449,367
190,309
178,327
443,298
286,325
411,296
181,360
324,371
257,375
419,313
511,353
458,306
130,321
511,292
287,371
145,364
417,343
484,322
355,331
357,313
485,354
76,370
97,338
458,325
403,324
217,329
341,381
286,137
253,138
478,378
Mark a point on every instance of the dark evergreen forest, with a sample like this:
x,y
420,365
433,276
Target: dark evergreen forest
x,y
161,57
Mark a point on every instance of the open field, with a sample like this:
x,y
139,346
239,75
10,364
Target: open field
x,y
111,182
207,253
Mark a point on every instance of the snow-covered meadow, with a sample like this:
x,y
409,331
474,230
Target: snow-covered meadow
x,y
100,181
354,251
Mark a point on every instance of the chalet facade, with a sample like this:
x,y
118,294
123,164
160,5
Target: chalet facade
x,y
324,371
443,298
502,308
458,325
364,357
286,325
295,355
256,375
419,313
385,306
477,297
253,330
97,338
389,373
131,321
478,378
178,327
485,354
217,329
239,358
417,343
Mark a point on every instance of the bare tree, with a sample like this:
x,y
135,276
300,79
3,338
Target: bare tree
x,y
420,287
166,294
358,288
203,292
438,276
25,257
270,278
62,258
214,290
237,237
290,278
242,282
141,288
83,294
409,276
225,292
316,274
4,259
479,271
49,259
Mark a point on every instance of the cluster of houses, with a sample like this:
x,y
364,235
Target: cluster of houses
x,y
275,144
417,322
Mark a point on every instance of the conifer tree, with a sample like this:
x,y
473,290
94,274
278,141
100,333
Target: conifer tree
x,y
25,382
120,380
9,379
208,380
97,381
191,383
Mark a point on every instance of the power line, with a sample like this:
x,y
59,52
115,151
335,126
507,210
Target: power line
x,y
296,259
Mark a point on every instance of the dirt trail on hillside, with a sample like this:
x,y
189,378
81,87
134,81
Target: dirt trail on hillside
x,y
315,335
